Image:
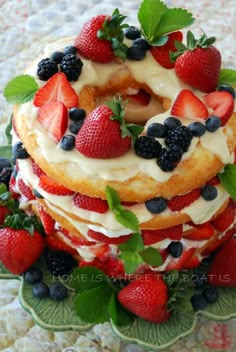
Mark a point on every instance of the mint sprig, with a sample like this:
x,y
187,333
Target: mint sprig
x,y
227,76
157,20
20,89
227,178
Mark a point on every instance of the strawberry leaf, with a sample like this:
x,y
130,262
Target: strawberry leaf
x,y
86,278
227,76
151,256
173,20
118,314
20,89
227,178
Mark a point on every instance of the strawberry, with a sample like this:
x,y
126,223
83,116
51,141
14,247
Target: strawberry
x,y
223,221
221,103
179,202
90,203
188,105
146,296
25,190
37,170
50,186
75,239
141,98
99,237
179,263
222,271
214,181
59,89
200,232
162,53
19,250
4,211
104,134
111,266
55,243
95,39
54,118
198,64
193,262
216,243
47,221
153,236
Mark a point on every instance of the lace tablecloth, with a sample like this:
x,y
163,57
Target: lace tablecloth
x,y
25,27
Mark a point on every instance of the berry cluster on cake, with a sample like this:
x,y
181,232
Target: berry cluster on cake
x,y
124,145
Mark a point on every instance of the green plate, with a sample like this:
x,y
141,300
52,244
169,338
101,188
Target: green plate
x,y
60,316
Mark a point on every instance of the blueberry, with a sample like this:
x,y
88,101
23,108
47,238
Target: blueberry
x,y
19,152
209,192
156,205
172,122
132,32
156,130
136,53
37,194
70,49
75,126
142,42
57,56
198,301
33,275
211,294
40,290
77,114
227,88
197,129
4,162
57,291
175,249
213,123
67,142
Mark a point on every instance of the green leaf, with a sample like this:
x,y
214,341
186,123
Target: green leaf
x,y
3,190
113,197
160,40
134,129
227,76
133,244
8,130
6,151
151,256
227,178
173,20
118,314
86,278
92,305
126,218
21,89
131,261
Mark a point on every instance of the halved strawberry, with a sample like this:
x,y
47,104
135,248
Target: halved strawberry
x,y
111,267
37,170
54,242
25,190
57,88
162,53
75,239
179,202
193,262
188,105
153,236
179,263
54,118
90,203
201,232
221,103
141,98
211,247
47,221
98,236
224,220
51,186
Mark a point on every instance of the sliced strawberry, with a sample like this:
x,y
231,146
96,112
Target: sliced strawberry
x,y
128,204
25,190
188,105
37,170
50,186
201,232
221,103
90,203
54,242
153,236
75,239
47,221
179,263
179,202
54,118
99,237
162,53
211,247
57,88
141,98
223,221
111,266
193,262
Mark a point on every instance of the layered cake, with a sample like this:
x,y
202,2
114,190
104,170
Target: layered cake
x,y
122,136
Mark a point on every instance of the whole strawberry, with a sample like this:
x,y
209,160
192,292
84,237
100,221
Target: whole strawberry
x,y
198,64
104,133
101,38
146,296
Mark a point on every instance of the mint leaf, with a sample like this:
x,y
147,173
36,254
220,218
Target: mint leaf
x,y
86,278
151,256
20,89
134,243
92,305
173,20
134,129
126,218
113,198
131,261
227,76
227,178
118,314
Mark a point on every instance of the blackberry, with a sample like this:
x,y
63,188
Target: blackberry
x,y
46,69
169,157
181,136
147,147
60,263
71,65
5,175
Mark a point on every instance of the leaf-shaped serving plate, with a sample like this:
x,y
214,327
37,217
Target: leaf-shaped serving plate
x,y
60,316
